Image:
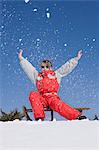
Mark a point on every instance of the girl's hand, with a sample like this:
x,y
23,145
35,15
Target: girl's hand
x,y
20,55
79,55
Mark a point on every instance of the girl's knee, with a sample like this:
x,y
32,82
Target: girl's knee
x,y
33,95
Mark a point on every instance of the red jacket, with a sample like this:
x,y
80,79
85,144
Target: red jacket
x,y
47,82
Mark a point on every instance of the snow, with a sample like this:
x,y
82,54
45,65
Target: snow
x,y
20,40
22,44
46,135
48,15
35,9
20,19
85,39
65,44
26,1
2,27
38,39
47,9
88,45
93,40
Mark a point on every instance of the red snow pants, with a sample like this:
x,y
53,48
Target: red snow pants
x,y
52,100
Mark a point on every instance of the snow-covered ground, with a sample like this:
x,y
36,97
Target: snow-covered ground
x,y
56,135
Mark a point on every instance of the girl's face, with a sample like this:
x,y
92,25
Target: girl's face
x,y
45,66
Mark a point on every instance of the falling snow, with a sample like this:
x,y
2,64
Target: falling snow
x,y
2,27
47,9
94,40
45,41
48,15
65,44
88,44
35,10
26,1
20,40
86,38
38,40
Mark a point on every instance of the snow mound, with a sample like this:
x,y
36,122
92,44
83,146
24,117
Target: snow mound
x,y
47,135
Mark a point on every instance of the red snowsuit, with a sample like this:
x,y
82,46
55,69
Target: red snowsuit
x,y
47,96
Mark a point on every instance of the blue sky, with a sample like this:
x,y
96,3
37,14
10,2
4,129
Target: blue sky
x,y
53,30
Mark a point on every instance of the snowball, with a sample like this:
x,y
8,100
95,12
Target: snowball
x,y
26,1
48,15
93,40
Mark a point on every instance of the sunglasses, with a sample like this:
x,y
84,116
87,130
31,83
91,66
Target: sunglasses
x,y
45,67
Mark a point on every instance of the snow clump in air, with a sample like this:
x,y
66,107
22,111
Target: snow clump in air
x,y
65,44
35,9
48,15
26,1
94,40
